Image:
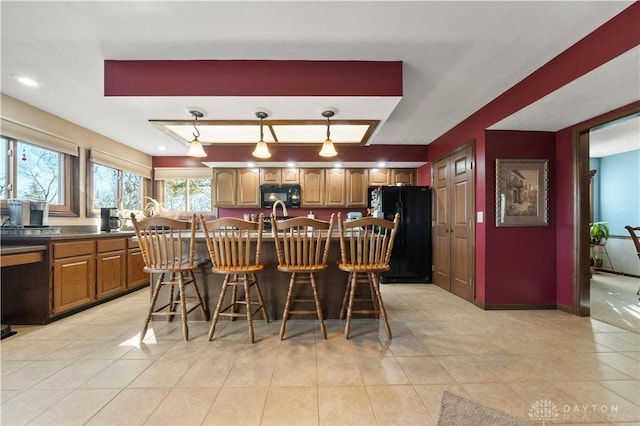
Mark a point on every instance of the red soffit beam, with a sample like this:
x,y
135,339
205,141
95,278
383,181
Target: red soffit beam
x,y
252,78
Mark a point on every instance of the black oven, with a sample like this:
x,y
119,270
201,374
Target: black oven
x,y
289,194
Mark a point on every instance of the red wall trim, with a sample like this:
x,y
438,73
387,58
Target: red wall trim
x,y
282,153
252,78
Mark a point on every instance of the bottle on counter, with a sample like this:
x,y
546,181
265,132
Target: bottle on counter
x,y
311,215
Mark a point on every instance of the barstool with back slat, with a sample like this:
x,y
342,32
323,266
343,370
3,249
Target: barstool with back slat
x,y
161,243
302,247
234,247
365,248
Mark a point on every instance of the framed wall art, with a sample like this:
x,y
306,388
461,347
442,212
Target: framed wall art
x,y
522,192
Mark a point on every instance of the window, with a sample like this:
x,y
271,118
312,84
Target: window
x,y
116,188
31,171
191,195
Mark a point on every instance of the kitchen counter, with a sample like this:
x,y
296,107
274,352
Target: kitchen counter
x,y
9,238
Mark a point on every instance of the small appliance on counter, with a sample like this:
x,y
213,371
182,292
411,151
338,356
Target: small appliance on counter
x,y
110,219
28,213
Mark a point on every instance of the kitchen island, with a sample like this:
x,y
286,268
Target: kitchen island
x,y
274,284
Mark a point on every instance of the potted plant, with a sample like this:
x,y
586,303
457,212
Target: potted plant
x,y
598,231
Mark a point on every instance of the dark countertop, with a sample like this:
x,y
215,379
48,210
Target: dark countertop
x,y
12,239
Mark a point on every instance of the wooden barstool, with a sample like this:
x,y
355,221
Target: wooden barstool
x,y
365,249
234,247
302,247
161,243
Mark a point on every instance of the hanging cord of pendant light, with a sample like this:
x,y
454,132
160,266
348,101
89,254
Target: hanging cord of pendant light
x,y
195,147
328,149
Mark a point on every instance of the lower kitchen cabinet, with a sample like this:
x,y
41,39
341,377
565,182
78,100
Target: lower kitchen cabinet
x,y
111,267
135,265
75,273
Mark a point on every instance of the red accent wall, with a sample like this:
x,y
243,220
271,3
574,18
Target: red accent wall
x,y
521,264
252,78
424,175
612,39
373,153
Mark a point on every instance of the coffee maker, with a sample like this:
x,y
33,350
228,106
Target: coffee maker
x,y
25,213
110,219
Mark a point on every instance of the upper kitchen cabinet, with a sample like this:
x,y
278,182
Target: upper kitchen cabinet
x,y
378,177
279,176
271,176
402,176
335,188
224,187
312,182
248,188
356,187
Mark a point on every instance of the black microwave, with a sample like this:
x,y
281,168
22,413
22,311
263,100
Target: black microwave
x,y
289,194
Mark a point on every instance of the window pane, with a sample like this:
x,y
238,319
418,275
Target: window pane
x,y
175,195
105,186
199,195
4,145
132,191
40,174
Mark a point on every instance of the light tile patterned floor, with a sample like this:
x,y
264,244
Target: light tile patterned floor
x,y
89,369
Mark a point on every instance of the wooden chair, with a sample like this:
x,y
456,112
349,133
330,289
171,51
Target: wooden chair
x,y
302,247
635,236
168,249
365,249
234,247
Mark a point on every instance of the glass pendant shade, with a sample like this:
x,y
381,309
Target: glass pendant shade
x,y
196,149
328,150
261,151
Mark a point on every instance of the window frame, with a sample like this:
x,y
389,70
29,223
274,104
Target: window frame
x,y
71,182
90,211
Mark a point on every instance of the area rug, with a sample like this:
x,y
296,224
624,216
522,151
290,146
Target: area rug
x,y
458,411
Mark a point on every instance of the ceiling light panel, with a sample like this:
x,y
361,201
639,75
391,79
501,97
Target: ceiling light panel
x,y
222,133
340,133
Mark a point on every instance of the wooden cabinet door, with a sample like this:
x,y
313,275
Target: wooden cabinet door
x,y
224,188
73,282
378,177
270,176
335,188
135,269
312,187
248,188
111,273
290,176
454,230
357,181
402,176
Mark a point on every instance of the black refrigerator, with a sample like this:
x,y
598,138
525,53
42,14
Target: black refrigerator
x,y
411,255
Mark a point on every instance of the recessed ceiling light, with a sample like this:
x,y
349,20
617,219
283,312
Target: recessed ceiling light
x,y
162,148
251,165
382,164
291,164
27,81
337,165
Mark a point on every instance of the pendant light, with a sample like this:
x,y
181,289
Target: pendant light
x,y
195,147
328,150
262,150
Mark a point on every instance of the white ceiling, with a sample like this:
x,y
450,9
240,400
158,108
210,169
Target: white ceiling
x,y
457,57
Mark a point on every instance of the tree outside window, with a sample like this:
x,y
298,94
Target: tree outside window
x,y
112,185
190,195
40,174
